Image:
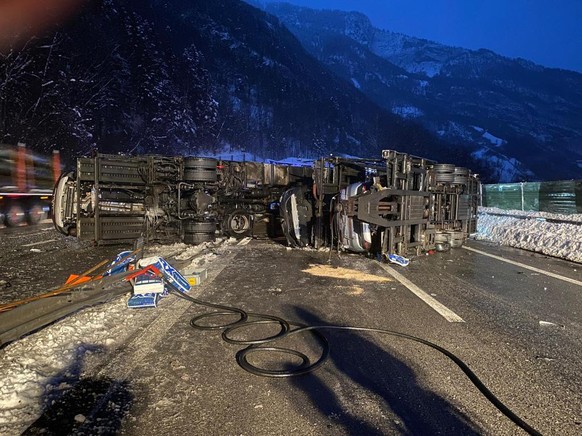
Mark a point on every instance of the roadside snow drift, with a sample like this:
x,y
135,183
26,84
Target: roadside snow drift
x,y
533,231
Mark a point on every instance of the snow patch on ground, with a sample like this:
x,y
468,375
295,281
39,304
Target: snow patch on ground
x,y
42,366
430,68
497,142
506,169
356,83
407,111
533,232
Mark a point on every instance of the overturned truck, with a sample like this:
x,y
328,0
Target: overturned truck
x,y
399,204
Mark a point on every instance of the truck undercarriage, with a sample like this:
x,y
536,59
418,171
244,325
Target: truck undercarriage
x,y
399,204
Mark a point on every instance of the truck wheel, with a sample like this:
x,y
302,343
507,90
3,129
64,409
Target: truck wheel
x,y
15,216
35,214
238,224
200,169
197,232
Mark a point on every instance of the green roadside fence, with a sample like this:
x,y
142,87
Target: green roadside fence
x,y
564,197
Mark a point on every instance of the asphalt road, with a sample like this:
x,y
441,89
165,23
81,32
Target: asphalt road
x,y
520,333
37,259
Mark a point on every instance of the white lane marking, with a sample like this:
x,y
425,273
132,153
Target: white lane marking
x,y
244,241
38,243
442,310
531,268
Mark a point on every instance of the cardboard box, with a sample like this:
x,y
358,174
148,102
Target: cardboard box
x,y
147,284
196,276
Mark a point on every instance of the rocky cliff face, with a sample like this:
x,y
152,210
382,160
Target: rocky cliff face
x,y
185,77
520,119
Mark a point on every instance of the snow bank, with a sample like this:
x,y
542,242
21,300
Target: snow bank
x,y
531,231
41,367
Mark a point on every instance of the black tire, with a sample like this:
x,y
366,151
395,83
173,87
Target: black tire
x,y
445,178
199,226
15,215
197,232
462,171
461,176
200,169
238,224
444,168
198,238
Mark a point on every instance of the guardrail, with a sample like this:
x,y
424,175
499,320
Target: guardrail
x,y
562,197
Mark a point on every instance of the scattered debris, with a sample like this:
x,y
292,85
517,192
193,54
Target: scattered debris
x,y
152,277
551,324
545,358
399,260
195,276
351,289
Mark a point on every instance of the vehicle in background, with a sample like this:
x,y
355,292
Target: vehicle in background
x,y
26,184
398,204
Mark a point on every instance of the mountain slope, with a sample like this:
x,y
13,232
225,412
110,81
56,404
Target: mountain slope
x,y
277,100
106,81
519,118
188,77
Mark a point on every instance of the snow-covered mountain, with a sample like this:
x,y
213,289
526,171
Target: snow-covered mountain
x,y
522,120
185,77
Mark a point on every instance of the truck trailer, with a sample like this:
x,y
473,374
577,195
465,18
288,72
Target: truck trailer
x,y
396,204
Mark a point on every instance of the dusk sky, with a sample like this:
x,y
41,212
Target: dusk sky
x,y
546,32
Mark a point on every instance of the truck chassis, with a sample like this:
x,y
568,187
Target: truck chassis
x,y
398,204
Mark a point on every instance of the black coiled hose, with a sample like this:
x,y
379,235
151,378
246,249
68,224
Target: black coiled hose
x,y
248,319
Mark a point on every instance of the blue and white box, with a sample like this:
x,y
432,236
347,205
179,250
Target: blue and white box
x,y
148,284
171,275
115,267
143,300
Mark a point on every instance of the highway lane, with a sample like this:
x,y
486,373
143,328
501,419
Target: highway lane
x,y
525,317
372,384
36,259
